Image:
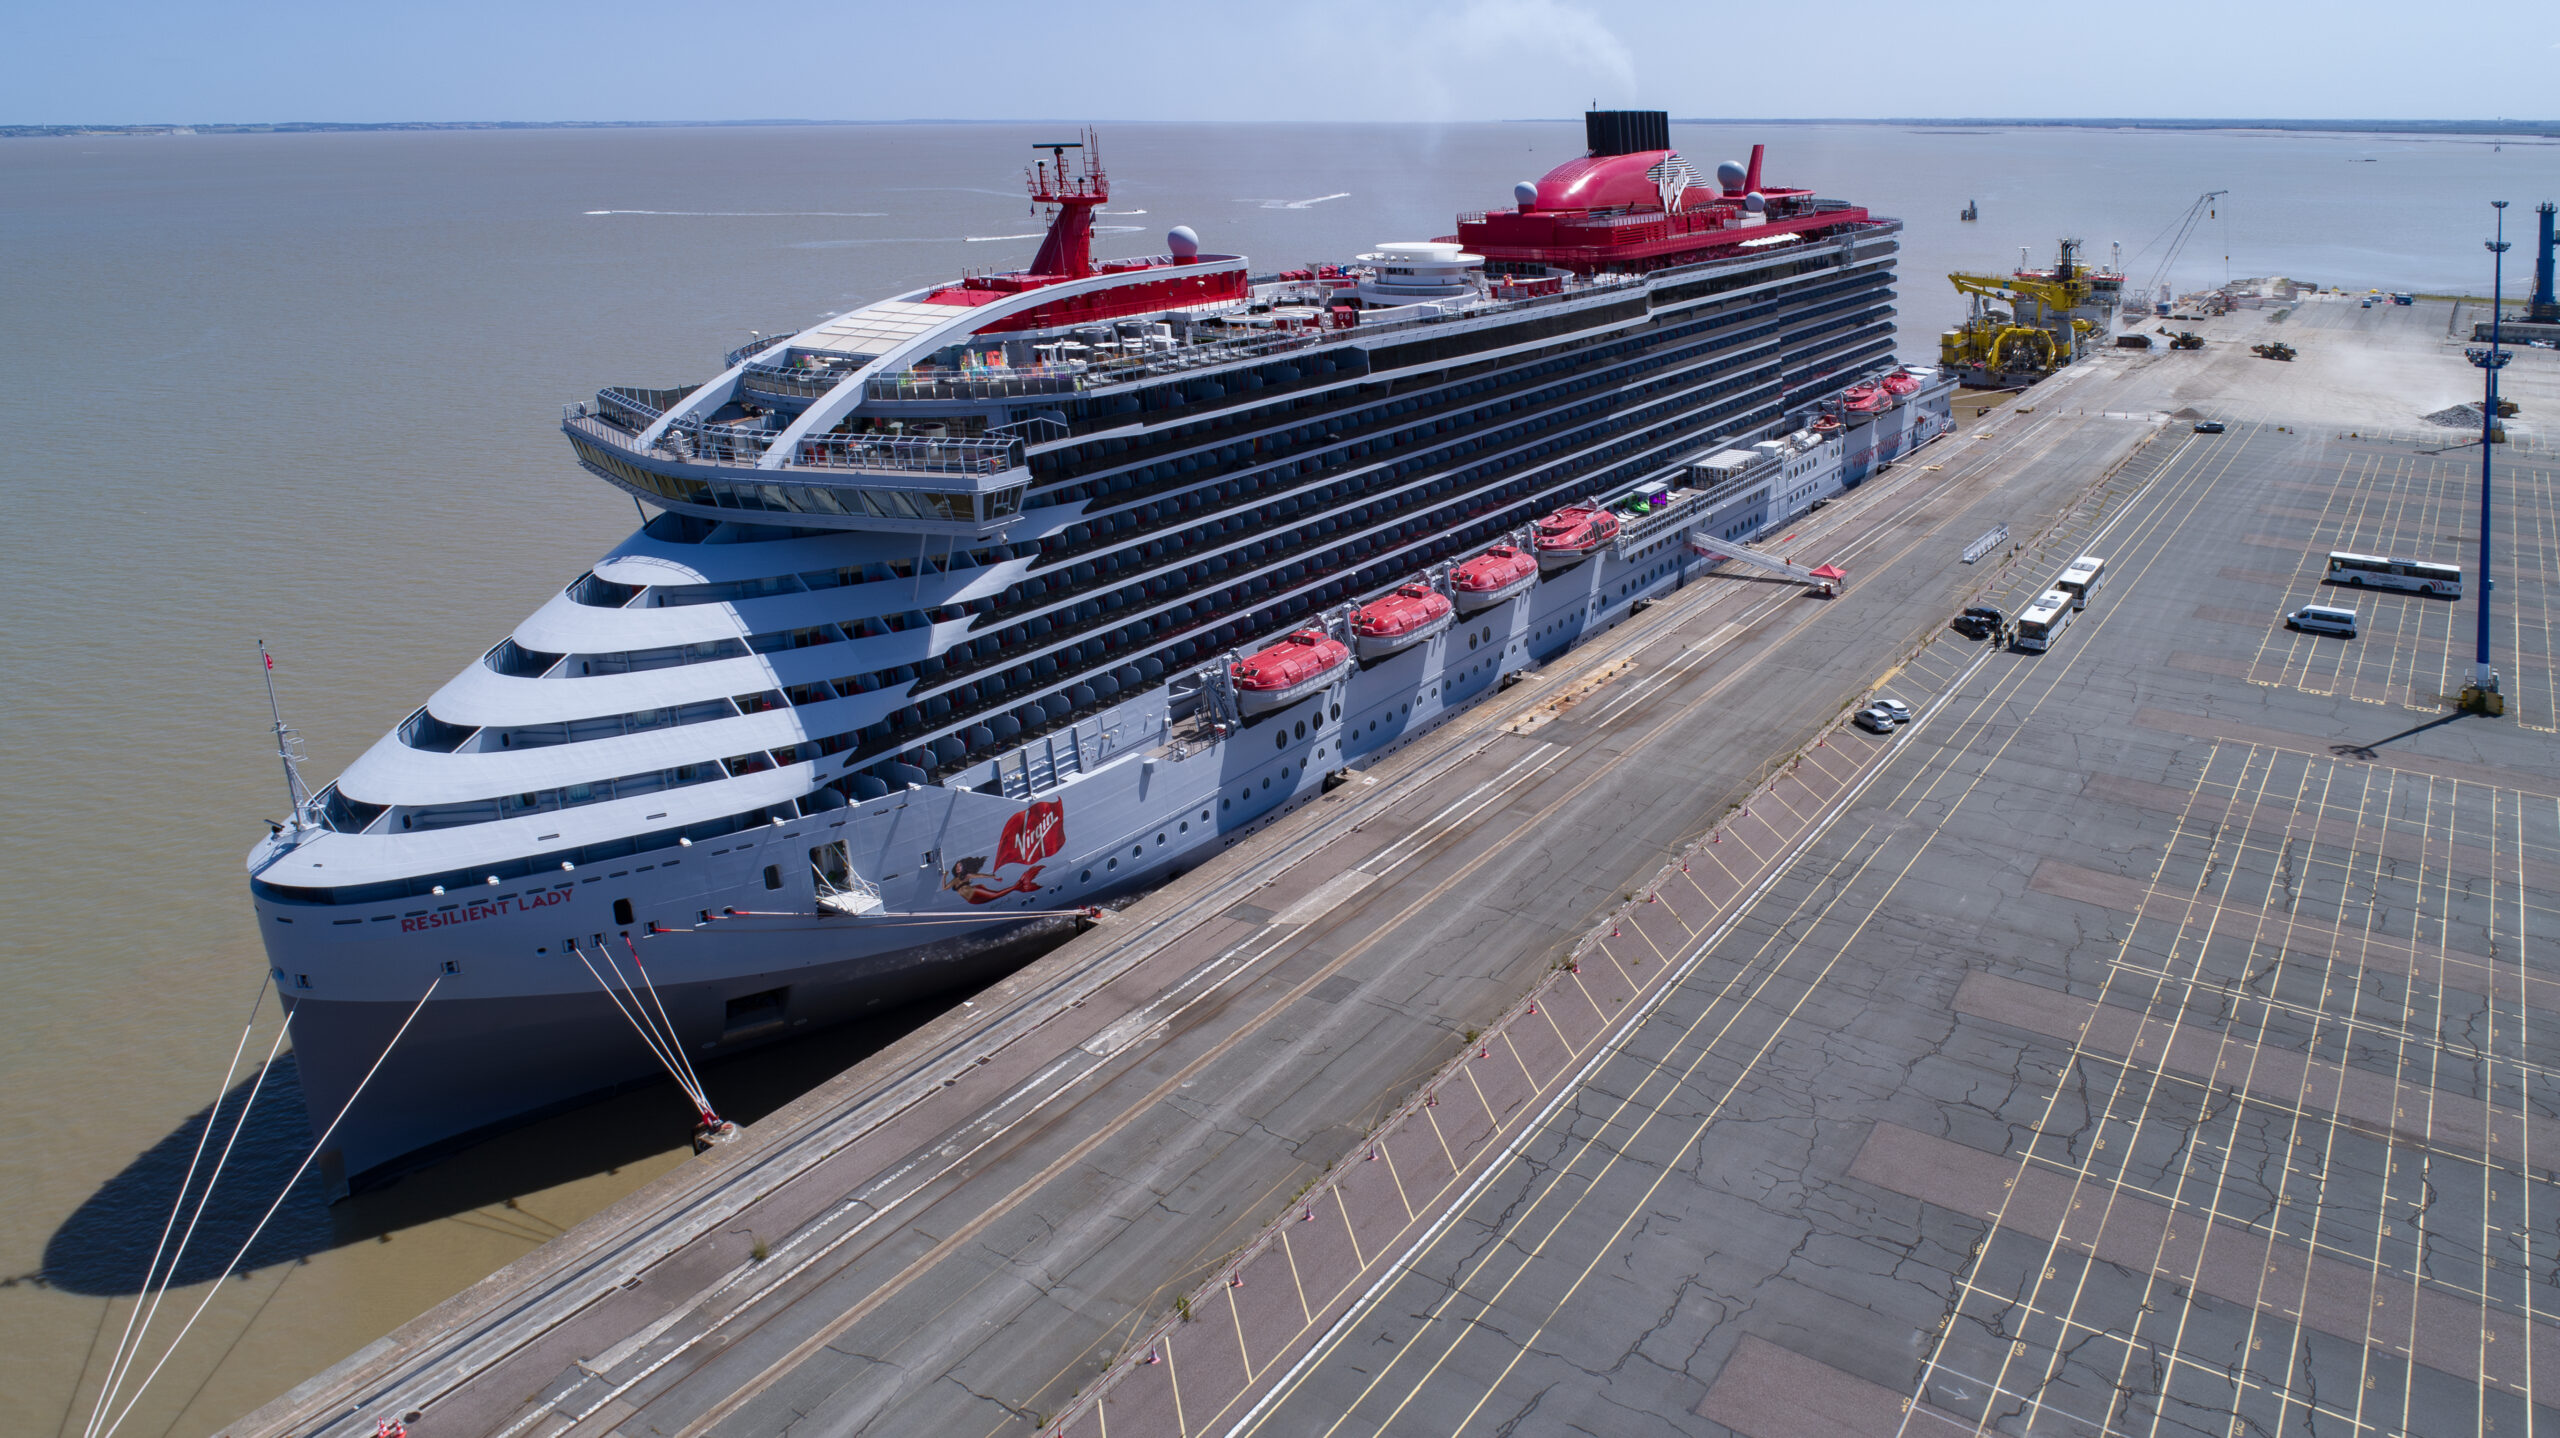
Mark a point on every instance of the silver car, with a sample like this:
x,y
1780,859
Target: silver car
x,y
1900,711
1874,720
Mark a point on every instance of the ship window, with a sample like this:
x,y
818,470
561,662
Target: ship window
x,y
622,910
1337,711
1115,863
772,879
1281,740
1302,728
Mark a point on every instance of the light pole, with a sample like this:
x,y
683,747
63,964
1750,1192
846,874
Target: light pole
x,y
2482,695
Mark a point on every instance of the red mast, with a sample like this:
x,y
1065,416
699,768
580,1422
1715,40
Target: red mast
x,y
1068,251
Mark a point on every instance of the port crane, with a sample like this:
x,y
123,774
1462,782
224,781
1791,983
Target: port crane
x,y
2196,213
2045,326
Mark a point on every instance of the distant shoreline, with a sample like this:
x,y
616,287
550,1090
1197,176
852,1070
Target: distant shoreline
x,y
2517,129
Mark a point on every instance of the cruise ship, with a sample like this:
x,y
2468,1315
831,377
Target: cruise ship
x,y
974,608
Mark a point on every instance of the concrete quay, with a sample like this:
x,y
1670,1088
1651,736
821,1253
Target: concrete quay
x,y
1698,1040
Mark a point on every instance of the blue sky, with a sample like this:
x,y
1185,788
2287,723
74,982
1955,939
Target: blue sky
x,y
143,61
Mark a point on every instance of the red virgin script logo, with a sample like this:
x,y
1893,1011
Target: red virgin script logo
x,y
1029,837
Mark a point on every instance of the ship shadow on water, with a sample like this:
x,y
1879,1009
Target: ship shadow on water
x,y
101,1250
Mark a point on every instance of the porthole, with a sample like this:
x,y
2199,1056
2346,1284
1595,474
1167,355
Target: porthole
x,y
1186,826
1337,711
1266,783
1088,877
1488,633
1115,863
1160,837
1471,641
1204,816
1226,803
1280,740
1302,728
1137,851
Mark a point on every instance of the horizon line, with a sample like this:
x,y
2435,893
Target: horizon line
x,y
2375,124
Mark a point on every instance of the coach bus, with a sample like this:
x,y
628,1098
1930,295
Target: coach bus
x,y
2086,576
2373,571
2044,621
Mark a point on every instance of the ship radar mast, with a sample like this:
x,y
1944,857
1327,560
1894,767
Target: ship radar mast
x,y
1068,250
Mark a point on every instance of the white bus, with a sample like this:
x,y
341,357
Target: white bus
x,y
2044,621
2373,571
2085,576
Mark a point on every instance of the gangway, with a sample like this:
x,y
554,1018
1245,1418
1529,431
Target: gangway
x,y
1828,579
841,889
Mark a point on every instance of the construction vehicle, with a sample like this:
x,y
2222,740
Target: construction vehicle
x,y
2049,318
2274,350
2186,340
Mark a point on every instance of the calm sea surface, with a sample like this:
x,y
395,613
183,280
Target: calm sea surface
x,y
306,388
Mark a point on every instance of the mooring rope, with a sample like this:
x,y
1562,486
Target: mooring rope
x,y
214,1289
155,1284
639,1024
675,1045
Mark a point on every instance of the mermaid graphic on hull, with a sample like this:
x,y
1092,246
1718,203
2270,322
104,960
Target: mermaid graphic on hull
x,y
1029,837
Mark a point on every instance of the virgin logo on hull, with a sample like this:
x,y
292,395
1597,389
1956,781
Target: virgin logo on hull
x,y
1029,837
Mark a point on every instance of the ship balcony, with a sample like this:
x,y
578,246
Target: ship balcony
x,y
805,376
957,488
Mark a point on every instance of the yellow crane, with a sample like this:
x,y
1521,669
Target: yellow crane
x,y
2038,332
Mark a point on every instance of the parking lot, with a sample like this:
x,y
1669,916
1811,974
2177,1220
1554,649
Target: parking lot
x,y
2165,1045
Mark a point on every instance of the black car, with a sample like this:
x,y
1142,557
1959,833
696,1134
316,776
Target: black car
x,y
2208,426
1978,622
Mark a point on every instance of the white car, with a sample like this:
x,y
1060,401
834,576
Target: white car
x,y
1900,711
1874,720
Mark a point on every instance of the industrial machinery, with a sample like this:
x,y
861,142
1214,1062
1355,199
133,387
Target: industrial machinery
x,y
2186,340
2185,225
2048,321
2275,350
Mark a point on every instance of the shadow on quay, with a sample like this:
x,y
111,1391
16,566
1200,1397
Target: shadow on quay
x,y
103,1248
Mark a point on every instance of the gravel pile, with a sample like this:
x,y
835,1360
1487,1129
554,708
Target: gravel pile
x,y
2461,416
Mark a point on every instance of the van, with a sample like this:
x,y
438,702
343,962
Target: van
x,y
2323,619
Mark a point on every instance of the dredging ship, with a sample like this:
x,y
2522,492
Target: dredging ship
x,y
978,606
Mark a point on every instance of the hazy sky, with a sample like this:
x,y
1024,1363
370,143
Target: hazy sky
x,y
141,61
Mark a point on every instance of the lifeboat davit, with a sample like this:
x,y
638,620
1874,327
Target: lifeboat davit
x,y
1901,382
1297,666
1571,534
1865,399
1492,577
1413,613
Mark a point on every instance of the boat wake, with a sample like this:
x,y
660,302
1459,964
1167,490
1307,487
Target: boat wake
x,y
755,214
1307,204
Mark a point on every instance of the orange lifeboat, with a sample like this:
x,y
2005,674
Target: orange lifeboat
x,y
1299,665
1492,577
1901,382
1865,399
1572,534
1400,620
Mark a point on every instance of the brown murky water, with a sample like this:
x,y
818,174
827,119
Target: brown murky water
x,y
305,388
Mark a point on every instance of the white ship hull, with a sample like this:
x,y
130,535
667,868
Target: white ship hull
x,y
518,1026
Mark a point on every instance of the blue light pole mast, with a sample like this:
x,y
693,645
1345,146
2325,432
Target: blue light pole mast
x,y
2484,680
